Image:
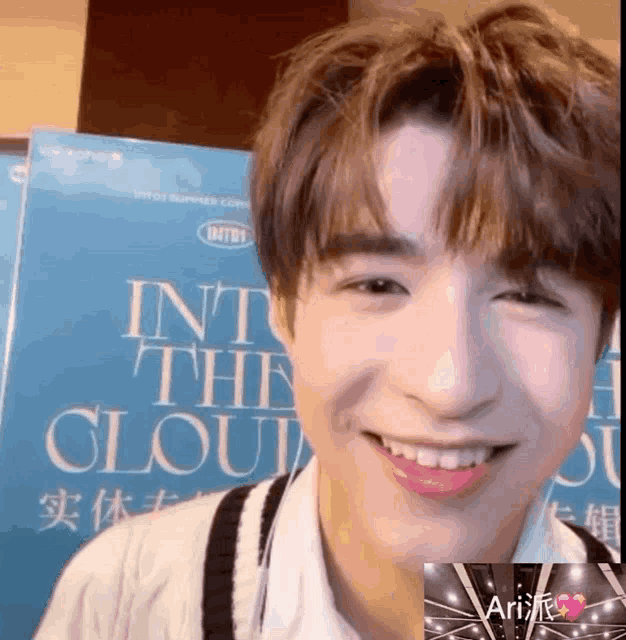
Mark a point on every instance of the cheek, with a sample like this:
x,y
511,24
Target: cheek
x,y
554,369
318,357
332,373
324,349
555,372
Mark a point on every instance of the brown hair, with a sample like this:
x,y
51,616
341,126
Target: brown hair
x,y
535,114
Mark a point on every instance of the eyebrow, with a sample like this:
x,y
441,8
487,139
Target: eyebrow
x,y
345,244
342,245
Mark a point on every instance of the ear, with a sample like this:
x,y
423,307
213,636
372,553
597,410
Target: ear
x,y
277,319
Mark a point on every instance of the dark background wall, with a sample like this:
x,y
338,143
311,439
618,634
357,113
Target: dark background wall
x,y
194,74
198,74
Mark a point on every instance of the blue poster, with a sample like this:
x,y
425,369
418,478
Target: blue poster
x,y
142,370
12,178
587,489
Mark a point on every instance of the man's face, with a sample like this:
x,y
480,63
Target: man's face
x,y
447,356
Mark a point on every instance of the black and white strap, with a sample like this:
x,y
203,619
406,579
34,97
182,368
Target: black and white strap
x,y
217,597
596,550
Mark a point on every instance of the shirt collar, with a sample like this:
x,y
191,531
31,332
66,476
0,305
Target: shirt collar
x,y
300,602
541,540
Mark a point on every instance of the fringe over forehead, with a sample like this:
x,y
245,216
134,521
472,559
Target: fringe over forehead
x,y
535,116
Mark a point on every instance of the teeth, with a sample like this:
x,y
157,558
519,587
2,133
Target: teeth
x,y
396,449
466,458
427,457
442,458
409,452
480,455
449,460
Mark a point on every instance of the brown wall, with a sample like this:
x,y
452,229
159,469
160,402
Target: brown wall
x,y
41,52
197,75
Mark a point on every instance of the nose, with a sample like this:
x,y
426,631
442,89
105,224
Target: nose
x,y
446,362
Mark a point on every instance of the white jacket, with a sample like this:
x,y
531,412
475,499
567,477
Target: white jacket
x,y
144,578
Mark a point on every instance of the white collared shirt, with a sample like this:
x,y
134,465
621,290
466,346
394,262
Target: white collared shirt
x,y
143,578
300,599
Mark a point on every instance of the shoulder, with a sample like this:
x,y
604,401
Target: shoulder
x,y
135,569
144,540
575,541
615,554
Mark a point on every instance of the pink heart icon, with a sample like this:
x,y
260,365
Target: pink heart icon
x,y
572,605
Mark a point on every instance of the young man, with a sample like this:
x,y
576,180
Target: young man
x,y
437,214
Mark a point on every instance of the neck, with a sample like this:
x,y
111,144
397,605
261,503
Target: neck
x,y
379,600
378,597
381,603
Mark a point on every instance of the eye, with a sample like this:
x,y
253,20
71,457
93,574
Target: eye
x,y
377,287
530,298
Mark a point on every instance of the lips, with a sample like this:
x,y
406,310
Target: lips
x,y
435,457
493,450
434,481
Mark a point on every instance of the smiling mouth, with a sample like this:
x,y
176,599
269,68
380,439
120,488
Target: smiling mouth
x,y
443,457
